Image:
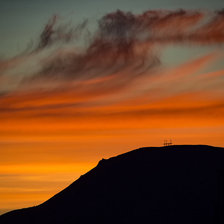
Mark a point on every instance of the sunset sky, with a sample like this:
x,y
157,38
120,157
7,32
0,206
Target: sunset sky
x,y
86,80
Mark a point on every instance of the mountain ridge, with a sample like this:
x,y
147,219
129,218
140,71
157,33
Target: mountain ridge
x,y
153,184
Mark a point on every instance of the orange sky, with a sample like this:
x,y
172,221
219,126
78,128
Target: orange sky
x,y
61,113
44,148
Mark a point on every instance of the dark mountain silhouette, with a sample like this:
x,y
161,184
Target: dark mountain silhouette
x,y
174,184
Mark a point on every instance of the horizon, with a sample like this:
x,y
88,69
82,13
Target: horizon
x,y
4,211
172,148
81,81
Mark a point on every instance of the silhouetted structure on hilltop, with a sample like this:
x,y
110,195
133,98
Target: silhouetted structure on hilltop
x,y
167,143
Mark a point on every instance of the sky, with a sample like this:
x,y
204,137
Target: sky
x,y
86,80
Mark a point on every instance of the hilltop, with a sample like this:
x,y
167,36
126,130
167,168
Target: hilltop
x,y
174,184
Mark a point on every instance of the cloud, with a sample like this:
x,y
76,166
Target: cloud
x,y
123,40
119,62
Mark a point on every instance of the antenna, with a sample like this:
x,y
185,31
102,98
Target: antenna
x,y
167,143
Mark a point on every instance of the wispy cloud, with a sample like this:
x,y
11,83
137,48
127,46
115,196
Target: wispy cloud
x,y
119,63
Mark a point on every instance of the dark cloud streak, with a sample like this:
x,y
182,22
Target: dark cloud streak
x,y
125,39
122,51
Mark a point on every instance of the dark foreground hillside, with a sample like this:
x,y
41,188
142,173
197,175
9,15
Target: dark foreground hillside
x,y
174,184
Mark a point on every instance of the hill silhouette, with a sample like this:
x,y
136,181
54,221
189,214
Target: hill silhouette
x,y
174,184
